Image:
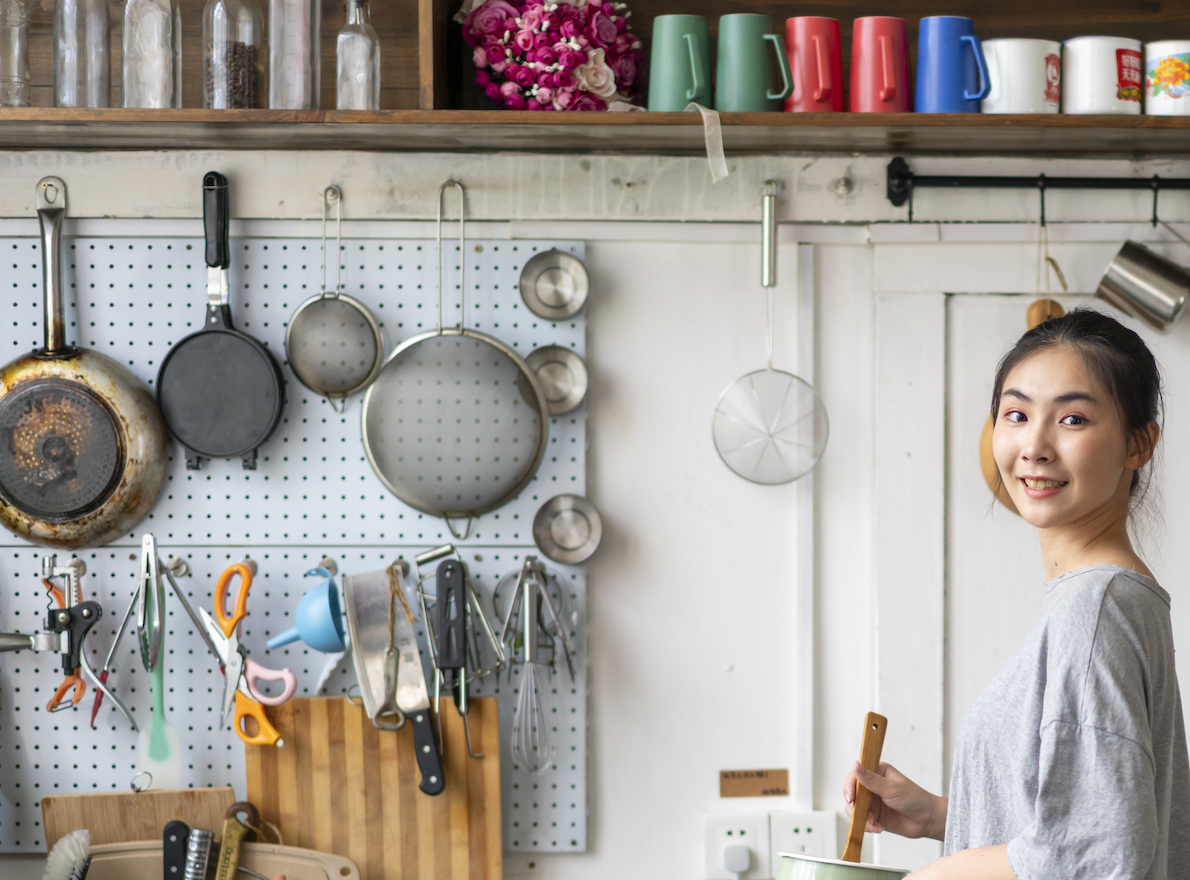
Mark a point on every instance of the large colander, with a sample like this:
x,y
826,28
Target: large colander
x,y
770,427
456,423
334,343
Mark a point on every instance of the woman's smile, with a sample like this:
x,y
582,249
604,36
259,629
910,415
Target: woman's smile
x,y
1041,487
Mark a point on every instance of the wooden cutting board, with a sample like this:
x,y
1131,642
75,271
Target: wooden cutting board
x,y
341,786
119,817
141,860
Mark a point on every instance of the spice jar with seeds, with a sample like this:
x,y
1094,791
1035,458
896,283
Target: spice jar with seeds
x,y
233,55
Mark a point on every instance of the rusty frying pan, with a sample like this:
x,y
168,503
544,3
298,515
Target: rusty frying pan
x,y
82,445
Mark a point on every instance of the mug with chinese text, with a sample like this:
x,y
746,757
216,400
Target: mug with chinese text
x,y
1024,76
1167,78
1101,75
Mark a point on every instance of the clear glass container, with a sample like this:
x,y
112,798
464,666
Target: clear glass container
x,y
358,61
233,55
82,54
152,47
295,59
14,53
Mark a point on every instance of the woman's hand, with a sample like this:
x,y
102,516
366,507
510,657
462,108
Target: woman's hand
x,y
899,804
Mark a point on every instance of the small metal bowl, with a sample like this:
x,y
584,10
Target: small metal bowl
x,y
554,285
567,529
563,377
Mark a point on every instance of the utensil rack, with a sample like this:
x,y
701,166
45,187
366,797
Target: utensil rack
x,y
312,495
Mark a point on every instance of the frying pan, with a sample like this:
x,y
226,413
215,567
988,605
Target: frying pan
x,y
82,446
220,390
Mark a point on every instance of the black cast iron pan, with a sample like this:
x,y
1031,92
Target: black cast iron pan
x,y
220,391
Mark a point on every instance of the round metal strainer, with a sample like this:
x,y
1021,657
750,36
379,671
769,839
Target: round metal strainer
x,y
334,342
456,424
770,427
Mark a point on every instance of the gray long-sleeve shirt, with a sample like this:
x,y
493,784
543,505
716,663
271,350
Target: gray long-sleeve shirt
x,y
1075,754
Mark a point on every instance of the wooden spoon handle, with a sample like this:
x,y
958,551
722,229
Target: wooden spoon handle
x,y
869,757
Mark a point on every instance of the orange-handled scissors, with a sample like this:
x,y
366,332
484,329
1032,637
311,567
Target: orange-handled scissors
x,y
240,694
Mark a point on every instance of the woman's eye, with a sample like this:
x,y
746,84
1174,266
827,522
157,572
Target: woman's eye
x,y
1073,420
1015,416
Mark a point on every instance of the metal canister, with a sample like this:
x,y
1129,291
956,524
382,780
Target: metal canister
x,y
1146,285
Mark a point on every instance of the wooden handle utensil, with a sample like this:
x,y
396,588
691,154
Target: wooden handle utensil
x,y
869,757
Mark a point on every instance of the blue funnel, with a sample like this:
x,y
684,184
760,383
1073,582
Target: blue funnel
x,y
319,619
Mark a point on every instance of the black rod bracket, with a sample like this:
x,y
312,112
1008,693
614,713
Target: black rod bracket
x,y
901,182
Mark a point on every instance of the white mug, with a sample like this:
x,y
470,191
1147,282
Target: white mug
x,y
1167,78
1102,75
1023,76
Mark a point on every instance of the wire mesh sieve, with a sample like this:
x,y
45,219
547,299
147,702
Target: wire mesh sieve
x,y
334,343
456,424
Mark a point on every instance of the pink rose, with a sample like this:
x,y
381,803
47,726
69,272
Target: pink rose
x,y
493,92
480,56
488,17
531,18
582,40
546,55
545,94
495,53
552,19
622,44
498,66
569,29
624,67
601,29
532,104
563,100
523,41
570,59
509,26
531,56
509,88
542,41
622,24
482,79
514,102
595,76
524,77
586,101
563,80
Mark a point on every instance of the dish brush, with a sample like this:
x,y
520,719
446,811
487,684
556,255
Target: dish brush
x,y
70,859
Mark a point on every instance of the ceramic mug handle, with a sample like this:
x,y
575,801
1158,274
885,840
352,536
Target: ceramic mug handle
x,y
700,76
981,63
823,92
783,65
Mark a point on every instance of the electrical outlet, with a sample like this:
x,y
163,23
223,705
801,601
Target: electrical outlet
x,y
808,834
747,829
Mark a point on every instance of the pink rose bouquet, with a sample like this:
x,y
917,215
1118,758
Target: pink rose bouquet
x,y
552,54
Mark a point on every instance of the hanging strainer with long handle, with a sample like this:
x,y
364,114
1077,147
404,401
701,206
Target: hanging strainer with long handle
x,y
334,342
770,427
456,424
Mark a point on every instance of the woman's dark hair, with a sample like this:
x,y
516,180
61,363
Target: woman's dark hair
x,y
1115,356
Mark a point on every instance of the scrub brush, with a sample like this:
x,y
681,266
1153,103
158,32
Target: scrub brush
x,y
70,859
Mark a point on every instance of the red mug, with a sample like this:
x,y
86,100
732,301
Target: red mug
x,y
880,66
816,60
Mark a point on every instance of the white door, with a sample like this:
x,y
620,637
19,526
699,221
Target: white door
x,y
993,564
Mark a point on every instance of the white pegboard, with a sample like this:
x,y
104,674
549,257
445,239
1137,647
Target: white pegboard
x,y
312,494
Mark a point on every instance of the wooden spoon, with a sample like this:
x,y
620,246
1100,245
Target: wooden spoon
x,y
869,756
1039,312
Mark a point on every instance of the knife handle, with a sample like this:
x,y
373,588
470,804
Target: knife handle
x,y
173,849
428,760
452,615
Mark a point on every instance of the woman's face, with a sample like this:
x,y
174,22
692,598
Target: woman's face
x,y
1059,442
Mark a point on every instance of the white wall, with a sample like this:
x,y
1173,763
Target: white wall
x,y
692,603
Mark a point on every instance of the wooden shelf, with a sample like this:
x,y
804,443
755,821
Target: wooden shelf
x,y
658,133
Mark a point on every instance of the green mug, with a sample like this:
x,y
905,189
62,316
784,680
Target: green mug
x,y
680,68
742,80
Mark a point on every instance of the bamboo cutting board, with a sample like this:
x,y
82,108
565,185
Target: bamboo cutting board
x,y
120,817
342,786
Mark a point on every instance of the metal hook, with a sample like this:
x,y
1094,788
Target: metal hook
x,y
1041,189
139,788
462,254
1156,192
457,536
333,195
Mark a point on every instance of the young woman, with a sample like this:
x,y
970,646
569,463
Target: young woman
x,y
1072,763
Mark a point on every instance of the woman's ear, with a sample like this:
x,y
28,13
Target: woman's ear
x,y
1144,442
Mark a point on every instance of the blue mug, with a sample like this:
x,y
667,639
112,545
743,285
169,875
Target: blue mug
x,y
952,76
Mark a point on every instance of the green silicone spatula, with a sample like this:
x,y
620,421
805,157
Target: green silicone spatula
x,y
158,750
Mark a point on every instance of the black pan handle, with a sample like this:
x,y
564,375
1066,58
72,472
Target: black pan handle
x,y
428,760
216,218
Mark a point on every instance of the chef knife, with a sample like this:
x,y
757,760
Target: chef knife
x,y
173,849
414,700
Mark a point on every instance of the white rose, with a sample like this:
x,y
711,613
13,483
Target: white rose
x,y
595,76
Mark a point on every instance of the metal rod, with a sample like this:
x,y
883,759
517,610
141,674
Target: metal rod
x,y
902,182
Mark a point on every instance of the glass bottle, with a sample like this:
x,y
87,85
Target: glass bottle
x,y
358,61
233,55
295,59
152,47
82,54
14,53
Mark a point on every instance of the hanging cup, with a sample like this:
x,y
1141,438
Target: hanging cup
x,y
1145,285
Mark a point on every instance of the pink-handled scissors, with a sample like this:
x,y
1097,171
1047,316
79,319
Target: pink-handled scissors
x,y
240,690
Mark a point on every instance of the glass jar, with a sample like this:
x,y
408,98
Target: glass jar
x,y
82,54
152,47
233,55
295,59
14,53
358,61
